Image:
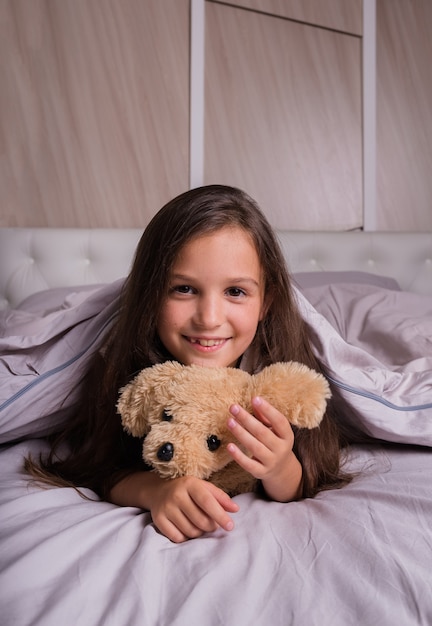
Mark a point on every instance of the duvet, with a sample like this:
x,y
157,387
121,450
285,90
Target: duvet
x,y
360,555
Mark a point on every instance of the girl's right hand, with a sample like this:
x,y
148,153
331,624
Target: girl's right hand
x,y
187,507
181,508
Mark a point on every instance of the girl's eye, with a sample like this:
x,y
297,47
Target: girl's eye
x,y
236,292
182,289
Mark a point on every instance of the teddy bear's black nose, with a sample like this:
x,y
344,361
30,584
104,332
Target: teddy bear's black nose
x,y
165,452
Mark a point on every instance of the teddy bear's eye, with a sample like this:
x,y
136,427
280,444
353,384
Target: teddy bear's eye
x,y
166,417
213,443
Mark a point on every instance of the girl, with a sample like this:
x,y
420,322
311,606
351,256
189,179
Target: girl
x,y
208,286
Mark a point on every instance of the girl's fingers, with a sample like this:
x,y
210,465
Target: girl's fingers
x,y
249,464
270,416
204,508
174,532
215,503
251,432
227,503
268,446
266,422
187,523
174,525
252,436
193,507
259,411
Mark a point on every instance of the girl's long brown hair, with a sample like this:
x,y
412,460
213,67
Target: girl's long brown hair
x,y
99,453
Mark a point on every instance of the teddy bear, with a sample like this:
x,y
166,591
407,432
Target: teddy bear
x,y
182,412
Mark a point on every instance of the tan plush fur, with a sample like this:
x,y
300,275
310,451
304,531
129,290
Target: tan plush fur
x,y
188,407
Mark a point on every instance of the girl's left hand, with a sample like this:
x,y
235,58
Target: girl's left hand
x,y
269,438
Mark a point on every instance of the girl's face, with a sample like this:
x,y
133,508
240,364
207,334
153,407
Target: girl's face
x,y
215,299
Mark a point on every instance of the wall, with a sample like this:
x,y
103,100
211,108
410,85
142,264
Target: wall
x,y
98,126
94,110
283,115
404,115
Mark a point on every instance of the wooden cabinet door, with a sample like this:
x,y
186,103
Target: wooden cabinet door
x,y
283,117
94,103
342,15
404,115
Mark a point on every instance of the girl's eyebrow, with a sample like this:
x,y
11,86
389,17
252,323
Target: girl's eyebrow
x,y
234,280
244,279
181,277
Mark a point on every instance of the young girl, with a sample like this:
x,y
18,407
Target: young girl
x,y
208,286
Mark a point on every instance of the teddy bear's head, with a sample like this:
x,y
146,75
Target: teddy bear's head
x,y
182,411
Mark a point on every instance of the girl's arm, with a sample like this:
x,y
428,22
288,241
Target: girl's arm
x,y
182,508
269,438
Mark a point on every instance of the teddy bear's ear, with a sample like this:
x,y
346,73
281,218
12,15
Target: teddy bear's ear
x,y
137,397
297,391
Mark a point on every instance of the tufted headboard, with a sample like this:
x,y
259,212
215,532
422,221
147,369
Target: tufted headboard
x,y
34,259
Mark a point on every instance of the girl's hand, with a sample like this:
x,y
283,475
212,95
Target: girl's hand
x,y
269,438
187,507
181,508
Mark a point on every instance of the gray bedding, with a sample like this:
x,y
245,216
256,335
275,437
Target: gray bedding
x,y
356,556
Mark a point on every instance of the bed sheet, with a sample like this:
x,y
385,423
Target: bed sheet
x,y
360,555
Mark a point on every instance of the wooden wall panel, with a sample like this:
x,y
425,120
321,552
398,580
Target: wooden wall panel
x,y
94,107
404,115
283,117
343,15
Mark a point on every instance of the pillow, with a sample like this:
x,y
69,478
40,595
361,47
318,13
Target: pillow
x,y
316,279
376,346
45,346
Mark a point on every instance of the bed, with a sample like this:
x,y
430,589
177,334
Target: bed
x,y
357,556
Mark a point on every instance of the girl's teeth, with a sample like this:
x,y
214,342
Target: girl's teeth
x,y
207,342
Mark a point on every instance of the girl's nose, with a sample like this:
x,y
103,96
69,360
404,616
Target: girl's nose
x,y
209,312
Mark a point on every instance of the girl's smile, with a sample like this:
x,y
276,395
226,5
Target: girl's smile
x,y
206,343
215,299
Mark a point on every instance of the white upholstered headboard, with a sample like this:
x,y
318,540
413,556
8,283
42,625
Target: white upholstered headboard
x,y
33,259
